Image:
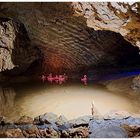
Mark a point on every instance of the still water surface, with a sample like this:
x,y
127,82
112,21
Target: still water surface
x,y
71,100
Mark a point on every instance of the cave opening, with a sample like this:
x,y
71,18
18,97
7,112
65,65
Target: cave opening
x,y
69,46
102,55
69,69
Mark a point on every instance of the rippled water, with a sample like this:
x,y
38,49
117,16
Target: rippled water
x,y
71,100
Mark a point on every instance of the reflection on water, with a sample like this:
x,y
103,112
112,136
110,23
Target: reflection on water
x,y
7,102
71,100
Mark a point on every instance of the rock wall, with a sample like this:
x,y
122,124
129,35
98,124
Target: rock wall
x,y
66,35
7,102
16,51
64,32
123,18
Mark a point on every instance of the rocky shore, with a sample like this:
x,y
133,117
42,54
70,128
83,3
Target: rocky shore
x,y
49,125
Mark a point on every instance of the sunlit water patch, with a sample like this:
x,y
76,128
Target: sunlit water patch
x,y
71,100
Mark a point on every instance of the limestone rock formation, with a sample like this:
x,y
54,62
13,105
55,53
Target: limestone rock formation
x,y
16,51
79,132
65,35
7,101
47,118
136,83
11,133
95,128
117,115
24,120
109,132
123,18
132,130
102,128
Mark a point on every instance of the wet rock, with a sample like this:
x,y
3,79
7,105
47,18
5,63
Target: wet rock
x,y
46,126
47,118
117,115
65,134
81,121
65,126
136,83
5,121
24,120
132,130
16,51
79,132
49,133
97,125
132,121
109,132
31,132
61,120
11,133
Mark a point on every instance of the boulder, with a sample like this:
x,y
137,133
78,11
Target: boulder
x,y
5,121
11,133
132,130
61,120
47,118
116,115
46,126
24,120
31,132
136,83
109,132
79,132
114,126
81,121
49,133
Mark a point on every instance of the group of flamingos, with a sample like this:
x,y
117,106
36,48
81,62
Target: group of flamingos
x,y
60,79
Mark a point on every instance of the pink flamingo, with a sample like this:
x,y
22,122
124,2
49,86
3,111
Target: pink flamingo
x,y
43,78
50,78
61,79
65,76
84,79
56,79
